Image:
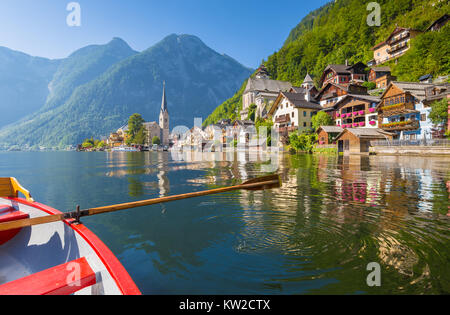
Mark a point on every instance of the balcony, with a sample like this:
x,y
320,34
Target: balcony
x,y
285,130
359,113
397,109
401,125
398,38
283,119
397,47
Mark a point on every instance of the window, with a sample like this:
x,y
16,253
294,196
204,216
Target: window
x,y
304,124
293,114
423,117
304,114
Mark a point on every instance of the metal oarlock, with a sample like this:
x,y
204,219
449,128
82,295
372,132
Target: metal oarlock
x,y
77,216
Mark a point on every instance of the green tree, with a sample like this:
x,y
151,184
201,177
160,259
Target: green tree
x,y
101,144
268,124
156,140
321,119
136,130
439,112
88,143
141,136
135,124
302,142
370,85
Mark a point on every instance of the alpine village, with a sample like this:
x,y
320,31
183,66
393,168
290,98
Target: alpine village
x,y
351,109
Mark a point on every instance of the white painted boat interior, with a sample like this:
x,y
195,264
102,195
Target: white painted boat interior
x,y
41,247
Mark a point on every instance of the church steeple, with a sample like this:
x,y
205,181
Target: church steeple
x,y
164,101
164,118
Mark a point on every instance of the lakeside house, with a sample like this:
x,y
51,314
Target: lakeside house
x,y
404,109
355,111
327,134
358,140
293,111
396,45
261,91
217,136
241,131
118,138
218,133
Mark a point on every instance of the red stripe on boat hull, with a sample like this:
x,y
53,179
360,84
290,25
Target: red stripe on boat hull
x,y
112,264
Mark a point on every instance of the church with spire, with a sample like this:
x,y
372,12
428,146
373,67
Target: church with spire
x,y
153,129
161,129
164,119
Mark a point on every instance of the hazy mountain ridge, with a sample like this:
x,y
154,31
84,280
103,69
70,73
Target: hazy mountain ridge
x,y
24,81
197,80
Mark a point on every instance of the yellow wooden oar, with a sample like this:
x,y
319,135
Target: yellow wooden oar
x,y
266,182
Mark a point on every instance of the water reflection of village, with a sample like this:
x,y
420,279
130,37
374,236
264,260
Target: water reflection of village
x,y
334,214
381,204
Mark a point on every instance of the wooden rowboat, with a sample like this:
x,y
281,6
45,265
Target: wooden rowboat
x,y
58,258
44,251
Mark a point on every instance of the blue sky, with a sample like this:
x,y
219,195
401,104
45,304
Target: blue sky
x,y
247,30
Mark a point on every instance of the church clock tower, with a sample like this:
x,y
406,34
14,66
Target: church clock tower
x,y
164,119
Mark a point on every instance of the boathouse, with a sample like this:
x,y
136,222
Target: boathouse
x,y
327,134
357,141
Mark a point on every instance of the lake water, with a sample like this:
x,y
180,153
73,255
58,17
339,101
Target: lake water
x,y
315,235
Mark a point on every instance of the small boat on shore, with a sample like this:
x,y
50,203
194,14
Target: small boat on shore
x,y
59,258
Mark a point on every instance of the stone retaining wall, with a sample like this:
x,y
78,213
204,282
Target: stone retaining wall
x,y
410,150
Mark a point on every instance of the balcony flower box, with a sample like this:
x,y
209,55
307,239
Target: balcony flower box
x,y
355,125
372,110
338,115
373,123
349,115
355,114
398,124
361,112
362,124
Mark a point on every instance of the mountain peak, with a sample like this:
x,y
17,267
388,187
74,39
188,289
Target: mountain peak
x,y
118,42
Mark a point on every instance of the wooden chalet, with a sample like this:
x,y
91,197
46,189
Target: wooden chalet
x,y
343,74
394,46
358,140
328,134
333,93
356,111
